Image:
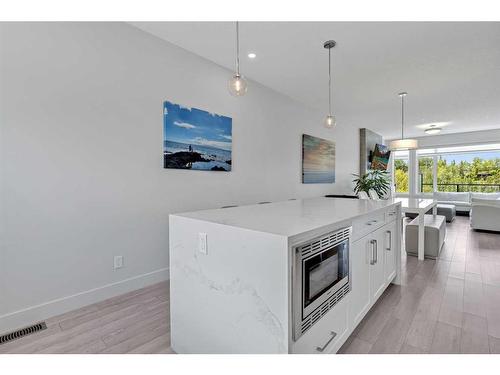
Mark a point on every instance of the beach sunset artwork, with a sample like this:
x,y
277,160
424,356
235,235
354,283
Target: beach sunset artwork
x,y
196,139
318,160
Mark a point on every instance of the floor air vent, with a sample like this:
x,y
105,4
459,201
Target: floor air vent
x,y
22,332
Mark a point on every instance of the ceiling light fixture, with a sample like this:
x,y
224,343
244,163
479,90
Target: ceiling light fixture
x,y
438,124
237,84
252,55
403,144
330,121
433,129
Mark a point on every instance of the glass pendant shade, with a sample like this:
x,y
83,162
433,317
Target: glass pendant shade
x,y
237,85
404,144
330,122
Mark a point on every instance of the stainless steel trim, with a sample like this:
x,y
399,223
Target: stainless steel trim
x,y
301,314
389,247
322,348
372,256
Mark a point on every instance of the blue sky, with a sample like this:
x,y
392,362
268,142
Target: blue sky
x,y
469,157
194,126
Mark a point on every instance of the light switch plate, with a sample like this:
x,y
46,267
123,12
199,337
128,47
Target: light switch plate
x,y
202,243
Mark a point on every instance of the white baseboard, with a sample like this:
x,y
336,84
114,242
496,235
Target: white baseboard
x,y
34,314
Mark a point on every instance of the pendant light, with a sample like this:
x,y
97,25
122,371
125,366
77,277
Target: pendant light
x,y
330,121
403,144
237,84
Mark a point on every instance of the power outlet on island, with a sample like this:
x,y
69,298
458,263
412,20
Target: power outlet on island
x,y
118,262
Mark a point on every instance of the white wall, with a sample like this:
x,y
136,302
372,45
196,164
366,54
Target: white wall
x,y
81,159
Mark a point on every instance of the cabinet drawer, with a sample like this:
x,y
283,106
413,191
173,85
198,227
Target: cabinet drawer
x,y
367,224
391,214
327,335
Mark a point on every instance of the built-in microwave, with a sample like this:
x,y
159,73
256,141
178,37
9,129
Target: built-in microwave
x,y
321,277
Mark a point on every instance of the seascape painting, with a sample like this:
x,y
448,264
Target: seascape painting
x,y
196,139
318,160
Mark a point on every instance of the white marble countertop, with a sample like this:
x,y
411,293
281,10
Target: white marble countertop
x,y
290,218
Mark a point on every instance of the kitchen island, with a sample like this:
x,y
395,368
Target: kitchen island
x,y
286,277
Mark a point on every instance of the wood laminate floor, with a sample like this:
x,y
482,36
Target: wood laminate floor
x,y
451,305
136,322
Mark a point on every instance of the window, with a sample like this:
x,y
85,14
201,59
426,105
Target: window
x,y
426,174
460,169
401,171
464,172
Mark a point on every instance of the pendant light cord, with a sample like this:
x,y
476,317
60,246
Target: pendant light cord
x,y
402,114
329,81
237,48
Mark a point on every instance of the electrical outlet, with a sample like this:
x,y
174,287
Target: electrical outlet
x,y
118,262
202,243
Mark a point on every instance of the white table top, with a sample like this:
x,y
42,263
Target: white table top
x,y
416,205
289,218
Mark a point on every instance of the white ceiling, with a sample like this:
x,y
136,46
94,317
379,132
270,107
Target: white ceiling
x,y
451,70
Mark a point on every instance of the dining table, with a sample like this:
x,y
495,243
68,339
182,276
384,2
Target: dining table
x,y
419,206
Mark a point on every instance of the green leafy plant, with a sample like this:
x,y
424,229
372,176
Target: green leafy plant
x,y
373,179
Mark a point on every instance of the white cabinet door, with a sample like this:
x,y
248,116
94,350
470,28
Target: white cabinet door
x,y
390,250
377,274
360,280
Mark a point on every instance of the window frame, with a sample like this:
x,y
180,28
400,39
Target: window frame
x,y
435,152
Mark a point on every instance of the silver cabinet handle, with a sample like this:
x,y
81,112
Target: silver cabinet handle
x,y
322,349
388,247
392,213
371,222
376,251
374,244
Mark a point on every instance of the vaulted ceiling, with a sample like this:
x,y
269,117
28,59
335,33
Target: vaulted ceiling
x,y
451,70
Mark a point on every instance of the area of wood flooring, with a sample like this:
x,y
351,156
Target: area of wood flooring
x,y
451,305
136,322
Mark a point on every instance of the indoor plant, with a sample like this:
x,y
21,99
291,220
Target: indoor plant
x,y
373,179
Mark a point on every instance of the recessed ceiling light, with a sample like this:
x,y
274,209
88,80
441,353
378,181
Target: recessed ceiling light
x,y
252,55
433,130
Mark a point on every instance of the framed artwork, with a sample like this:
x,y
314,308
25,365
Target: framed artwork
x,y
318,160
380,157
196,139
